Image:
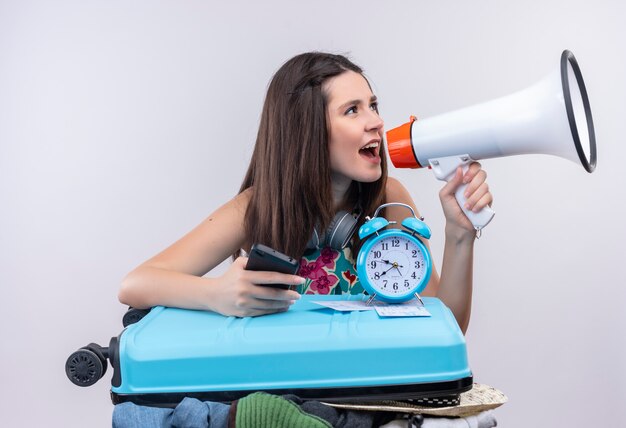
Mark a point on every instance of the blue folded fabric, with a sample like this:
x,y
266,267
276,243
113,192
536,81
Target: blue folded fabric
x,y
189,413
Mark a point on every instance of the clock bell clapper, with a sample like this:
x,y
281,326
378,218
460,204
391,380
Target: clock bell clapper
x,y
171,353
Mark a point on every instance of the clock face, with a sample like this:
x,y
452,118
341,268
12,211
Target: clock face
x,y
396,266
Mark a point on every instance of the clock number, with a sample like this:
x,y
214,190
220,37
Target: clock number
x,y
418,265
376,275
385,283
414,276
377,254
406,283
395,285
373,264
414,253
395,242
385,246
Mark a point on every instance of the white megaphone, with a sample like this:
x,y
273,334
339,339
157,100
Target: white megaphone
x,y
551,117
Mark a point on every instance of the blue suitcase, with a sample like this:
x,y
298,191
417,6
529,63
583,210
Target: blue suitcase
x,y
312,351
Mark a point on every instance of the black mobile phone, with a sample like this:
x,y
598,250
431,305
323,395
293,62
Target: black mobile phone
x,y
264,258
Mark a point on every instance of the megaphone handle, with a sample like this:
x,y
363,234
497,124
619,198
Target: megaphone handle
x,y
444,169
479,219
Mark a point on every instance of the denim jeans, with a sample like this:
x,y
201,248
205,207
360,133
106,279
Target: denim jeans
x,y
189,413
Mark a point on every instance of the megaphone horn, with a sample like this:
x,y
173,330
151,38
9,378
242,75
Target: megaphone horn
x,y
550,117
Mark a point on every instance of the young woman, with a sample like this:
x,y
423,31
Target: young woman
x,y
319,150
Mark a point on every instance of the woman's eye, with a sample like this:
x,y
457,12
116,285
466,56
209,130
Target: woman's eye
x,y
374,106
351,110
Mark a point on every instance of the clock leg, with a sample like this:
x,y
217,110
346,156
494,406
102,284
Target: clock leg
x,y
419,298
370,300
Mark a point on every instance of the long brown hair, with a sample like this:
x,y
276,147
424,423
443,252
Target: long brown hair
x,y
290,167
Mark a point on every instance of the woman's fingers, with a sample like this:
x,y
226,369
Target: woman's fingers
x,y
264,304
266,277
473,177
477,194
479,198
251,306
483,202
477,180
450,187
262,296
473,169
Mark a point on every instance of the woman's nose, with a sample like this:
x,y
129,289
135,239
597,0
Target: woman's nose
x,y
374,122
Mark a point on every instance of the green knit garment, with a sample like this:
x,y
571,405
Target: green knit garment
x,y
264,410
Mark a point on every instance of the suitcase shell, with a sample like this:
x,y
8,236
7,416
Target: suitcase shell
x,y
311,351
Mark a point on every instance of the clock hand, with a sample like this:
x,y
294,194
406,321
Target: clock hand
x,y
395,264
387,262
385,272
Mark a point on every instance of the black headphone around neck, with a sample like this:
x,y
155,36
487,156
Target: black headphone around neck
x,y
338,234
340,229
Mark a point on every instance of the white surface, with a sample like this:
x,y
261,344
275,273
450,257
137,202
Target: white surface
x,y
124,124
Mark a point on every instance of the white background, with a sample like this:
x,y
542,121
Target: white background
x,y
124,124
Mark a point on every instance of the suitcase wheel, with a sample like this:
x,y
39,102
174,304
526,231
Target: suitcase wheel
x,y
133,315
86,366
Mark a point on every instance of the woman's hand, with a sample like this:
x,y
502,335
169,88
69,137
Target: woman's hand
x,y
237,293
477,195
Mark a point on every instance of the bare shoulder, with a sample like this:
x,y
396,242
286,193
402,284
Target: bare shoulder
x,y
244,197
396,192
237,206
229,218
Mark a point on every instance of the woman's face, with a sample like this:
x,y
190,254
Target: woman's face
x,y
356,129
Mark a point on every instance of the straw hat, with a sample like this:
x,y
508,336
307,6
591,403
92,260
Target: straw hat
x,y
478,399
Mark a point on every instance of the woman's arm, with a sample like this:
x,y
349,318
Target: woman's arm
x,y
396,192
174,276
454,287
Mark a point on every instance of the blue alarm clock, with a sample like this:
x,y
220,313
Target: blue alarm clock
x,y
394,265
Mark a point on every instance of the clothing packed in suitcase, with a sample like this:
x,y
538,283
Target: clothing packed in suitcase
x,y
312,351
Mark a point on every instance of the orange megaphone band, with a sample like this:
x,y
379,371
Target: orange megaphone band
x,y
400,146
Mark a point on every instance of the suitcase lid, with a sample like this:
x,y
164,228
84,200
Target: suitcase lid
x,y
309,346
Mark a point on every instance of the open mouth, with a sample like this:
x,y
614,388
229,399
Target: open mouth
x,y
370,150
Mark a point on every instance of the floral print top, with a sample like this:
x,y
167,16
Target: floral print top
x,y
329,271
